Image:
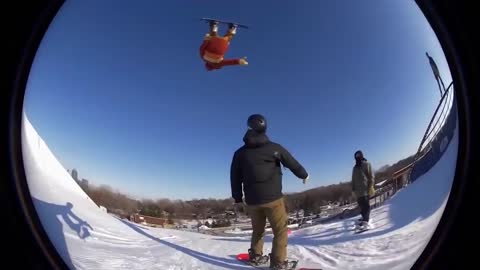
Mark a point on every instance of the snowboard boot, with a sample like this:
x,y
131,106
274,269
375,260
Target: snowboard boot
x,y
363,225
232,29
286,265
213,28
257,259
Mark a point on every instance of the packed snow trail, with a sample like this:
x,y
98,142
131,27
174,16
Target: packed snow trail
x,y
88,238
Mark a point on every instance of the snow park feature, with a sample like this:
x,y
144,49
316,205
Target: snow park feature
x,y
437,136
87,237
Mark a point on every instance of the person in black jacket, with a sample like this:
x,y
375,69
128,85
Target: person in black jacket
x,y
256,173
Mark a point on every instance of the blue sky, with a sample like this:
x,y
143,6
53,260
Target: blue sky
x,y
119,92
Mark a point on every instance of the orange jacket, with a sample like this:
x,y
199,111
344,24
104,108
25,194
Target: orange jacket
x,y
213,50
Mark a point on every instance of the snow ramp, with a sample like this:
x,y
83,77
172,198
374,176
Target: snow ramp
x,y
88,238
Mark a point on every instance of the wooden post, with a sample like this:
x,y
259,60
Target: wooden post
x,y
396,185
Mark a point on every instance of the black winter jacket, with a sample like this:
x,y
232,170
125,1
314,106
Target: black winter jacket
x,y
257,166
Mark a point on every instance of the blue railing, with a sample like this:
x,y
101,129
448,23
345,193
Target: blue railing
x,y
437,137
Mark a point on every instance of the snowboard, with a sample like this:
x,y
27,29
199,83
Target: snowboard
x,y
224,22
244,257
358,230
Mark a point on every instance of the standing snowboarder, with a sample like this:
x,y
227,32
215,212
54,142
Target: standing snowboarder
x,y
257,167
362,187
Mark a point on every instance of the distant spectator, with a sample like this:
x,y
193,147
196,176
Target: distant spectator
x,y
362,186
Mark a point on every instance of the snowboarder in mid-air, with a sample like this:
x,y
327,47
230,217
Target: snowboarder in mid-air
x,y
214,47
256,173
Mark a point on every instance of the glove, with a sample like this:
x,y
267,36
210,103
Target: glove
x,y
238,205
371,191
243,61
306,179
238,208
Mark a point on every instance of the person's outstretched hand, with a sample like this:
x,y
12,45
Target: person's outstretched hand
x,y
306,179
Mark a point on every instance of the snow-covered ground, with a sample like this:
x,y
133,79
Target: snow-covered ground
x,y
88,238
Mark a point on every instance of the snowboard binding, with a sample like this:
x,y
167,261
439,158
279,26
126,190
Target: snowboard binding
x,y
257,259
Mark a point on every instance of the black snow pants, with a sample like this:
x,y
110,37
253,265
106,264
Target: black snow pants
x,y
364,204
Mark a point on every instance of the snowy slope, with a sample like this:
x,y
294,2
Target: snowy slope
x,y
89,238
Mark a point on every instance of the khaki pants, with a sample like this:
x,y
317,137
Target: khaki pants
x,y
276,214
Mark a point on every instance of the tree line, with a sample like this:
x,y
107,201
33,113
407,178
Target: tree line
x,y
309,201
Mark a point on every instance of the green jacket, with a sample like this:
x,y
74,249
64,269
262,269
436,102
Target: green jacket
x,y
362,179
